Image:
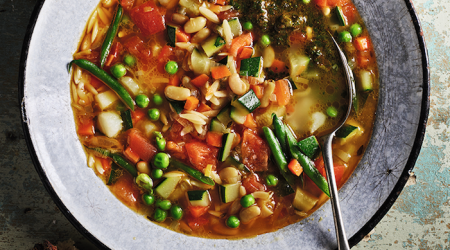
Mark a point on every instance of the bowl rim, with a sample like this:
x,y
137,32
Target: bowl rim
x,y
355,239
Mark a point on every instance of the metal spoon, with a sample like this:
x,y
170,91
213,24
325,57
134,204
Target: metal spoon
x,y
328,156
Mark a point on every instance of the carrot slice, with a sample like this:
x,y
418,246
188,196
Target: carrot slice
x,y
197,211
258,89
132,156
200,80
239,42
250,122
203,108
214,138
137,115
220,72
86,128
106,164
362,43
321,3
282,92
174,80
191,103
278,66
221,2
246,53
181,36
295,167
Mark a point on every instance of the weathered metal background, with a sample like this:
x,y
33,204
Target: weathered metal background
x,y
420,219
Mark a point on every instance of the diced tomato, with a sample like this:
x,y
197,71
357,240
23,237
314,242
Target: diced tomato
x,y
114,54
214,138
221,2
174,133
349,11
197,211
253,184
164,56
86,127
140,145
93,57
136,47
362,60
175,150
297,37
227,15
96,83
126,190
147,18
321,3
106,164
131,155
195,223
137,115
127,4
201,154
255,151
332,3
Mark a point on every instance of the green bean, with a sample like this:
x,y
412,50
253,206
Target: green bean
x,y
119,160
107,79
278,155
307,164
280,132
112,32
193,172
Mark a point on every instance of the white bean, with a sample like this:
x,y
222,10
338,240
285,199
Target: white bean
x,y
201,35
268,56
195,24
230,175
179,19
238,86
247,214
142,167
177,93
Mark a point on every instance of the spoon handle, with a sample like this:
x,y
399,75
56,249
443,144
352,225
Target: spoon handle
x,y
338,222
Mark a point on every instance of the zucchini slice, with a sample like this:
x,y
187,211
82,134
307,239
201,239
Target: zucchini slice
x,y
227,142
224,115
212,45
303,200
249,100
341,17
126,118
238,114
309,146
251,66
178,106
199,198
171,35
217,126
167,186
366,80
232,161
229,192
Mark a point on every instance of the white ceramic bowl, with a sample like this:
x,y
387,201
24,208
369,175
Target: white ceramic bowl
x,y
48,122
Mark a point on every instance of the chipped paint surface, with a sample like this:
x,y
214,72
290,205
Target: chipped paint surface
x,y
420,218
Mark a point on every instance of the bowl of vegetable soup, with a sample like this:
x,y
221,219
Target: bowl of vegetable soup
x,y
198,124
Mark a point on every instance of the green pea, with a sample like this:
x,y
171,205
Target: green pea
x,y
157,99
160,141
265,40
118,70
332,112
271,180
247,200
176,212
171,67
154,114
157,173
161,160
345,36
129,60
142,101
248,25
306,1
144,181
355,29
164,204
149,199
233,221
160,215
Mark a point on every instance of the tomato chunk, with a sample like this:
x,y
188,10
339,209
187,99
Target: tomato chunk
x,y
140,145
198,211
147,18
127,4
201,154
255,151
126,190
136,47
253,184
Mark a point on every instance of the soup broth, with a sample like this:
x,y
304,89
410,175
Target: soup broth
x,y
205,116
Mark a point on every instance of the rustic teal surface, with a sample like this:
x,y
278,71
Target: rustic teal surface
x,y
420,219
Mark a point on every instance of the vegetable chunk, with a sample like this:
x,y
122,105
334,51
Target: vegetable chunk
x,y
147,18
255,152
201,154
140,145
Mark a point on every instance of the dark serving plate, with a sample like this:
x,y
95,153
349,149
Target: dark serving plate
x,y
48,123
